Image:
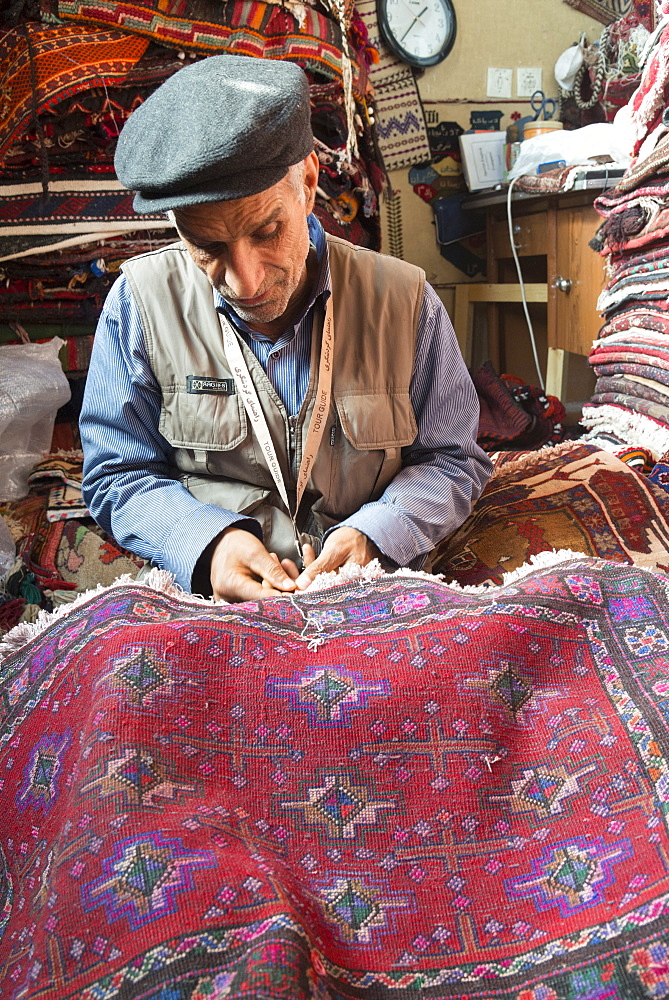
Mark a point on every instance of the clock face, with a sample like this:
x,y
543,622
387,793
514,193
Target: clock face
x,y
421,32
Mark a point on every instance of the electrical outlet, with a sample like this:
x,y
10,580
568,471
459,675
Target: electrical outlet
x,y
528,80
499,82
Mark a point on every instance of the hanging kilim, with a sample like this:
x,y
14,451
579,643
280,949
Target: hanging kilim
x,y
244,27
400,123
60,61
77,206
389,790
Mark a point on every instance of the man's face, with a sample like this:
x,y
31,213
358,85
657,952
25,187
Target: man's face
x,y
253,250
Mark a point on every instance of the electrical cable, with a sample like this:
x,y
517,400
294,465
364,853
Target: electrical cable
x,y
522,285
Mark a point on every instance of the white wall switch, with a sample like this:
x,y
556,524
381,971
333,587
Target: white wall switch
x,y
499,82
528,80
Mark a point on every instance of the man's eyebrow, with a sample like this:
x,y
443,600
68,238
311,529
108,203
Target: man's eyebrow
x,y
272,217
201,241
197,240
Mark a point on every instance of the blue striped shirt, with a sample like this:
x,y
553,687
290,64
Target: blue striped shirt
x,y
132,494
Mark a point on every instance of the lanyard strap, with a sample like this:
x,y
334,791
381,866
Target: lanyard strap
x,y
247,391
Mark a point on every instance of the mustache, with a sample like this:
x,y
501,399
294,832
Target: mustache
x,y
267,286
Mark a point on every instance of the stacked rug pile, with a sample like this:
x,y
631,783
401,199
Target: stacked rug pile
x,y
630,405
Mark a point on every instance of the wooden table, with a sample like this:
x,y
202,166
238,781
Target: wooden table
x,y
551,234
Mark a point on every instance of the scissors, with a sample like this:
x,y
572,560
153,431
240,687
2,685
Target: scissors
x,y
542,104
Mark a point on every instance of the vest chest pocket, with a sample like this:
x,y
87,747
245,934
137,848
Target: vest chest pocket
x,y
373,420
375,427
202,421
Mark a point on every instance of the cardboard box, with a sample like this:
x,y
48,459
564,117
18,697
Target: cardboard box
x,y
483,159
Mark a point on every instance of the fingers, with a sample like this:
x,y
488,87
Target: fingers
x,y
267,567
329,560
241,564
239,587
308,554
290,568
345,545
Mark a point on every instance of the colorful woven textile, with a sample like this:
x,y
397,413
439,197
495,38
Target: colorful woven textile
x,y
513,414
659,375
659,474
635,403
604,12
646,317
73,206
82,555
573,496
401,132
637,458
645,169
453,795
610,353
632,230
80,132
244,27
648,388
650,98
550,182
640,290
648,183
65,500
65,60
501,418
65,553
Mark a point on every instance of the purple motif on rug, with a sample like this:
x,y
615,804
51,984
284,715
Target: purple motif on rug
x,y
391,789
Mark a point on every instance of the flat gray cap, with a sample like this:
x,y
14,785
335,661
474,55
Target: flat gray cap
x,y
225,127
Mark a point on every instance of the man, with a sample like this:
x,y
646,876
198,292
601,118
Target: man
x,y
259,392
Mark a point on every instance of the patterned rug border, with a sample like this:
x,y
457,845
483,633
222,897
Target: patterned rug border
x,y
162,581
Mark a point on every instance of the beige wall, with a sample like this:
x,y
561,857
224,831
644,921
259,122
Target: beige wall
x,y
500,33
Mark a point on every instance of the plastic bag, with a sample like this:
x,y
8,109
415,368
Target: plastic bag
x,y
575,147
32,388
569,63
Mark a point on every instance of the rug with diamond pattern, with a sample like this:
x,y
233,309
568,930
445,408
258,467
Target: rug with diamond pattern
x,y
391,789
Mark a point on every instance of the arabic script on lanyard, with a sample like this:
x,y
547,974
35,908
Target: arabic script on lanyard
x,y
247,391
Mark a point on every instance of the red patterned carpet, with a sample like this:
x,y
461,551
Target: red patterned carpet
x,y
574,496
392,789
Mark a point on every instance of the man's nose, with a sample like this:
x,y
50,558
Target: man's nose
x,y
241,271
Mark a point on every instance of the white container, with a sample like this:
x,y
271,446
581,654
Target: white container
x,y
483,159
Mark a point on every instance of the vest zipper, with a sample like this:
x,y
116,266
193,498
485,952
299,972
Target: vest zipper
x,y
292,423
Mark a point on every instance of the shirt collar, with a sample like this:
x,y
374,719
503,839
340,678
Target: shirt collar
x,y
320,287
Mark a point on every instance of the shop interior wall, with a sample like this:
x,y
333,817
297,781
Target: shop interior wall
x,y
501,34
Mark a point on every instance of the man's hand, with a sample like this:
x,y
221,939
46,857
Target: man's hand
x,y
243,570
345,545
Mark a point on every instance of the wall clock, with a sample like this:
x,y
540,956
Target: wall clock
x,y
421,32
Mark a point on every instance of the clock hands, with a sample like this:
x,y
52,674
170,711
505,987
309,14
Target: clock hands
x,y
417,17
414,3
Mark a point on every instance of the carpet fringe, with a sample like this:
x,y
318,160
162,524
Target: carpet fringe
x,y
635,429
162,581
531,458
156,579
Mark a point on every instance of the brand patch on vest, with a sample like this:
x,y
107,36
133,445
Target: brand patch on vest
x,y
210,386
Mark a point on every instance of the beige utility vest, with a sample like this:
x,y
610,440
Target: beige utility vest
x,y
217,457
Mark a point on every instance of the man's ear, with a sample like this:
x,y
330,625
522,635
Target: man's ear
x,y
310,180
